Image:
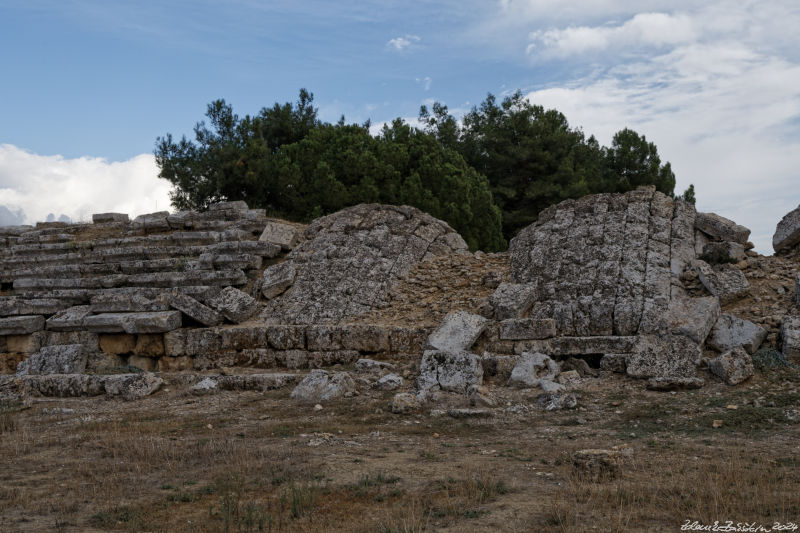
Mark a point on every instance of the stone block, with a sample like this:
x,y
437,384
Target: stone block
x,y
665,384
527,329
324,338
285,337
25,344
174,364
733,367
458,332
277,279
194,309
106,218
407,340
692,317
614,362
66,359
787,232
149,345
723,252
71,319
726,282
133,323
365,338
447,371
152,222
320,386
21,325
664,356
512,300
721,228
531,369
790,335
117,344
729,332
285,235
148,364
235,305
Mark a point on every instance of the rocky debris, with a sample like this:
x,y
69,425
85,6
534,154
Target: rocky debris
x,y
597,465
235,305
733,366
527,328
405,403
726,282
125,386
693,317
351,259
107,218
730,332
663,356
21,325
194,309
721,228
285,235
64,359
790,334
512,300
458,332
723,252
244,382
555,401
370,365
531,369
671,383
133,323
388,382
787,232
277,279
447,371
321,386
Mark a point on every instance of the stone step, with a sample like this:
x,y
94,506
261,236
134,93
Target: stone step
x,y
84,296
14,306
234,277
21,325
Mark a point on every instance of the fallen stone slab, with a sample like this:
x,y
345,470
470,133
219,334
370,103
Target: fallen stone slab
x,y
527,328
194,309
729,332
277,279
321,386
235,305
693,317
721,228
287,236
669,383
131,386
127,301
512,300
733,367
371,365
21,325
790,335
447,371
563,346
664,356
460,413
70,319
125,386
63,359
134,323
13,306
458,332
531,369
726,282
787,232
245,382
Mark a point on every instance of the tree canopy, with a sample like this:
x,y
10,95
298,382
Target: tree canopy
x,y
488,175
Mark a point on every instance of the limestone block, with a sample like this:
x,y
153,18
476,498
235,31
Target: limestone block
x,y
787,232
235,305
726,282
11,306
324,338
175,343
371,365
692,317
733,366
320,386
21,325
71,319
405,403
149,345
152,222
117,344
194,309
285,235
715,252
512,300
531,369
131,386
730,332
127,301
721,228
156,322
527,328
790,335
26,344
458,332
282,337
365,338
148,364
66,359
447,371
408,340
277,279
388,382
664,356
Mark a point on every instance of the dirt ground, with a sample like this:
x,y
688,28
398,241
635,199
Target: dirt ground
x,y
249,461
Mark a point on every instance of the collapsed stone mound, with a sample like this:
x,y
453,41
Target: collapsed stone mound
x,y
349,261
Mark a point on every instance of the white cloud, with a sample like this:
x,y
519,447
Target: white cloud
x,y
404,42
40,185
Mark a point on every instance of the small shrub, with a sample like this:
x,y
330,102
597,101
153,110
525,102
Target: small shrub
x,y
769,358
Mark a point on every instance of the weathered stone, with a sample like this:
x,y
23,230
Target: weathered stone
x,y
324,338
285,235
664,356
597,465
278,278
407,340
562,346
512,300
174,364
721,228
458,332
157,322
733,366
235,305
370,365
531,369
527,328
11,306
66,359
286,337
578,365
70,319
21,325
787,232
132,386
194,309
723,252
554,401
105,218
147,364
692,317
388,382
320,386
126,386
149,345
668,383
498,365
790,335
152,222
730,332
614,362
405,403
117,344
550,386
23,344
569,378
243,382
447,371
726,282
365,338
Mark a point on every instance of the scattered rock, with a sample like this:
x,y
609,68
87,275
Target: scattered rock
x,y
693,317
452,372
285,235
205,386
733,367
458,332
371,365
550,386
479,396
729,332
320,386
580,366
194,309
570,378
726,282
277,279
531,369
512,300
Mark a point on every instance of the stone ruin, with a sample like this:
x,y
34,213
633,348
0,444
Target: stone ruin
x,y
109,307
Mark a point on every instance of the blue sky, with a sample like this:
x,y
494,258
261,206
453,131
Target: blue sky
x,y
87,85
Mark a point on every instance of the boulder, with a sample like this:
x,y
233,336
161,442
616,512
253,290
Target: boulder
x,y
512,300
693,317
527,328
664,356
787,233
733,366
405,403
790,335
277,278
721,228
21,325
194,309
63,359
447,371
320,386
531,369
235,305
671,383
726,282
729,332
284,234
458,332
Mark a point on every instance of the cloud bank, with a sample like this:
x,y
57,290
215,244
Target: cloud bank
x,y
34,187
